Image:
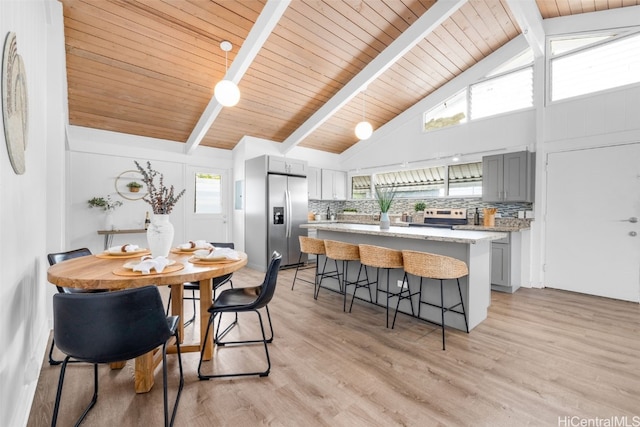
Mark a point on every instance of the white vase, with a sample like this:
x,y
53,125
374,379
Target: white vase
x,y
385,223
108,220
160,235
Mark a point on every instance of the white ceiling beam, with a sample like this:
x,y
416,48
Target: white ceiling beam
x,y
429,21
266,22
529,19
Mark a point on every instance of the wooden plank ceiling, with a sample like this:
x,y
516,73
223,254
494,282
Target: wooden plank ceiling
x,y
148,67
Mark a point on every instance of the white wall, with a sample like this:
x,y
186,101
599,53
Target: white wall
x,y
96,158
26,204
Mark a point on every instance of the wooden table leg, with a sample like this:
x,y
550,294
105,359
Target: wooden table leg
x,y
206,297
144,368
177,307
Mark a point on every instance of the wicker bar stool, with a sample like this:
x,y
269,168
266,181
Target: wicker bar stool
x,y
387,259
438,267
312,246
345,252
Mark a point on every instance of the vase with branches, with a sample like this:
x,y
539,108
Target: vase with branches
x,y
162,200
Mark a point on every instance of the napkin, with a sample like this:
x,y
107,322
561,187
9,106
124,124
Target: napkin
x,y
147,264
226,253
198,244
123,248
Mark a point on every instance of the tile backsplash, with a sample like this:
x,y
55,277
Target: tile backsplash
x,y
399,206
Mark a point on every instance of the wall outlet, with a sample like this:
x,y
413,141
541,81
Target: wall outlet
x,y
402,284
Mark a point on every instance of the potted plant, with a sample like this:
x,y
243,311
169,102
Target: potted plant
x,y
419,208
385,196
108,206
134,186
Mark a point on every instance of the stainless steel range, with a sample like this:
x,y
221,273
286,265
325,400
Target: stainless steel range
x,y
442,218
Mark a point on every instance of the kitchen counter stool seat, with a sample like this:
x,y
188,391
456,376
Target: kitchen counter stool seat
x,y
313,246
439,267
346,252
384,258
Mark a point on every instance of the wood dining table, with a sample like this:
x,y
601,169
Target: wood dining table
x,y
108,272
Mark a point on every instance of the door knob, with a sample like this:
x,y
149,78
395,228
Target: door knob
x,y
632,220
633,234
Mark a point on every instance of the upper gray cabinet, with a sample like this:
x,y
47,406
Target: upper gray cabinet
x,y
288,166
508,177
334,185
314,183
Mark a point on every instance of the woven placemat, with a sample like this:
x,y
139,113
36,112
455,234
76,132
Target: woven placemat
x,y
211,261
105,255
121,271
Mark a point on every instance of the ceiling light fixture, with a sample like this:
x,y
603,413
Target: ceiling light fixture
x,y
226,91
364,130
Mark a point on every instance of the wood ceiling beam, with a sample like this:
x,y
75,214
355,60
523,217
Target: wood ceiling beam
x,y
429,21
529,19
266,22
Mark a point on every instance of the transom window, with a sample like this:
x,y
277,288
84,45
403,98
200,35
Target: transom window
x,y
583,65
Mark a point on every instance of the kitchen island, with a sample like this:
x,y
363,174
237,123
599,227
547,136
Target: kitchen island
x,y
472,247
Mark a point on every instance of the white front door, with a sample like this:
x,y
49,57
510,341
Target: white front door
x,y
592,237
214,199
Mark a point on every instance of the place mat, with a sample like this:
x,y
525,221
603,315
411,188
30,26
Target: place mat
x,y
209,261
184,251
125,255
121,271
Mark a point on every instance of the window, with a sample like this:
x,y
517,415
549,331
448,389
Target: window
x,y
508,92
465,179
208,198
508,87
596,67
451,112
361,187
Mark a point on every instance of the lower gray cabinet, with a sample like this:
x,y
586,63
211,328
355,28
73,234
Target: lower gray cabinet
x,y
506,263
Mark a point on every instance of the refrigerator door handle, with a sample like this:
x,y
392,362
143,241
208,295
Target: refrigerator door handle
x,y
287,219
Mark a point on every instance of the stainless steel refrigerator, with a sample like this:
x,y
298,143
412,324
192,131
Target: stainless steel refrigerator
x,y
276,204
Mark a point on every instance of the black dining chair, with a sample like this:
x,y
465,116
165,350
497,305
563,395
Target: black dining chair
x,y
112,327
194,286
55,258
239,300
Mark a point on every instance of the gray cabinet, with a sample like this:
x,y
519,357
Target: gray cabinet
x,y
500,262
314,181
287,166
334,185
506,263
508,177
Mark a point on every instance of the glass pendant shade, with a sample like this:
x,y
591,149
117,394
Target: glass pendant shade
x,y
364,130
227,93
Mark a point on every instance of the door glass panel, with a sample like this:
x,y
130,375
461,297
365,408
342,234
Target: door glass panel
x,y
208,194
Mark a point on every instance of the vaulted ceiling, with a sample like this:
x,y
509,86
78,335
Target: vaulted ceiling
x,y
148,67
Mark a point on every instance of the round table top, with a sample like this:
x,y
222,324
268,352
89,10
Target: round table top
x,y
91,272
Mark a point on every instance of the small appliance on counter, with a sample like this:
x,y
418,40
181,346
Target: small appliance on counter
x,y
443,218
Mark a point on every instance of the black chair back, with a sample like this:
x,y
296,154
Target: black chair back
x,y
268,287
110,326
57,257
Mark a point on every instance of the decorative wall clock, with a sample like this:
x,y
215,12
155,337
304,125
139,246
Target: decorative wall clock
x,y
15,105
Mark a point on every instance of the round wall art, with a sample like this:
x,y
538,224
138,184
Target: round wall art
x,y
15,108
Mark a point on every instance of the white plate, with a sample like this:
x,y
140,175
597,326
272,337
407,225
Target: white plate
x,y
132,264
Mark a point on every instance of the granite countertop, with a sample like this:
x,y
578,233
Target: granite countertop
x,y
424,233
501,228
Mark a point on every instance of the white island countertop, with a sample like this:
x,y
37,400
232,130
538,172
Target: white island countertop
x,y
422,233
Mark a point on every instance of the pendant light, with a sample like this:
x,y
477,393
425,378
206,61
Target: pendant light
x,y
364,130
226,91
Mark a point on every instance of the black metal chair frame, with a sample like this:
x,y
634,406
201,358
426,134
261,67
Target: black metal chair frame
x,y
55,258
444,309
216,282
318,275
111,327
239,300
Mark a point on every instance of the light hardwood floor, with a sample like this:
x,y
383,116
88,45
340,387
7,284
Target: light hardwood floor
x,y
541,357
